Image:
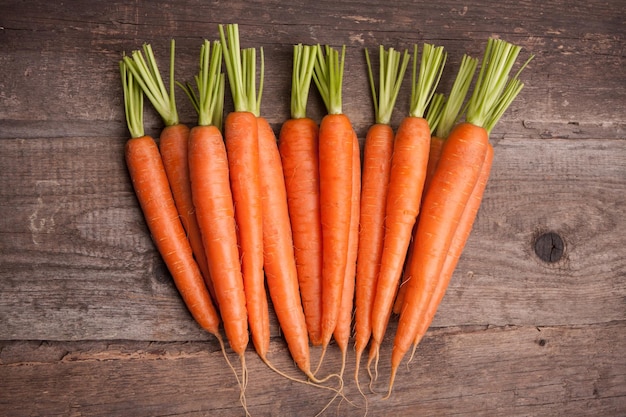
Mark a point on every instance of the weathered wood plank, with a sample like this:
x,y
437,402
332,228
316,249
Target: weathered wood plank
x,y
576,86
494,371
515,335
78,263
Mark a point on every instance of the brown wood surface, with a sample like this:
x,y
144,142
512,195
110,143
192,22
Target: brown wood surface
x,y
91,323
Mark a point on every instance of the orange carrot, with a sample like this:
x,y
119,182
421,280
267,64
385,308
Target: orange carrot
x,y
406,181
210,184
442,116
208,168
173,142
436,146
298,146
280,265
278,253
375,180
213,200
343,328
242,147
336,147
155,198
456,246
460,166
452,184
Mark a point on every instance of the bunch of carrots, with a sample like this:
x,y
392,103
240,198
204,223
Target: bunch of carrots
x,y
338,239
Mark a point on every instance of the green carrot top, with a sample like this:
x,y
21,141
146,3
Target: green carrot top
x,y
304,57
241,70
424,84
494,92
391,73
146,72
435,111
133,101
328,77
209,102
451,111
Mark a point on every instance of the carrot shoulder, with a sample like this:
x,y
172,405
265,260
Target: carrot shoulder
x,y
298,146
153,193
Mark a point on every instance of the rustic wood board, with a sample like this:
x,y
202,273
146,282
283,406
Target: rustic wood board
x,y
91,324
478,371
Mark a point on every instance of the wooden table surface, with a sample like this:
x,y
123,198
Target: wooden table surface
x,y
534,321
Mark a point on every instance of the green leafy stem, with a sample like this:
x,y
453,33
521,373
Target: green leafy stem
x,y
392,67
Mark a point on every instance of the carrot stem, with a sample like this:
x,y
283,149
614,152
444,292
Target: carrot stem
x,y
494,92
391,74
210,82
430,70
133,101
241,69
328,76
451,111
304,57
146,71
435,111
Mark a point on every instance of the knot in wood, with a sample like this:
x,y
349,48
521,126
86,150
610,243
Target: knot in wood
x,y
549,247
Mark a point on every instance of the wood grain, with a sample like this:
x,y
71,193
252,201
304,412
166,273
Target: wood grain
x,y
81,264
91,323
493,371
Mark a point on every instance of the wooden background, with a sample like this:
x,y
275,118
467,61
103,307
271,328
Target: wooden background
x,y
91,324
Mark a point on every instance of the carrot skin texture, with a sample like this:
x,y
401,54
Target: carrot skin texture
x,y
436,146
212,197
279,258
173,145
344,319
335,153
242,148
453,182
155,198
298,146
457,245
375,182
406,181
434,154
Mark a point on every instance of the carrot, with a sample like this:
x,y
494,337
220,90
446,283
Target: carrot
x,y
210,184
173,142
242,147
408,172
278,252
434,152
463,159
456,246
280,265
433,116
446,114
336,148
298,146
343,328
155,198
375,179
